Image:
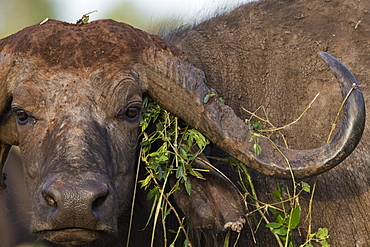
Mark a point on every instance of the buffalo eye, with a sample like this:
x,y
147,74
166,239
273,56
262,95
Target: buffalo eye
x,y
130,114
23,117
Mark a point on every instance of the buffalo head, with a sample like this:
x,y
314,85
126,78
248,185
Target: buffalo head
x,y
70,98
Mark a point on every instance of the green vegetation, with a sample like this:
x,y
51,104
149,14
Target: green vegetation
x,y
169,150
287,211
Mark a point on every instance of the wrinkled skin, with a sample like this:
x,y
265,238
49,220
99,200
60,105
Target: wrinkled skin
x,y
92,125
103,173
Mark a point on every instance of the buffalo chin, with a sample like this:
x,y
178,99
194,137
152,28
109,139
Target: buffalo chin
x,y
73,236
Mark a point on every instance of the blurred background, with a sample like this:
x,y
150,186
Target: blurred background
x,y
148,15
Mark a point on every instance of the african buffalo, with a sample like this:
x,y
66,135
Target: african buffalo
x,y
71,97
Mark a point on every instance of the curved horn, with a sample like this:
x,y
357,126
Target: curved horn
x,y
172,79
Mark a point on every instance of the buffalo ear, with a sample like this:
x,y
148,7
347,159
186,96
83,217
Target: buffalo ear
x,y
214,203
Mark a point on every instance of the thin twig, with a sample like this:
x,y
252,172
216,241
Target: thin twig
x,y
158,206
256,116
295,121
170,205
237,240
254,194
309,213
133,202
339,111
273,128
179,220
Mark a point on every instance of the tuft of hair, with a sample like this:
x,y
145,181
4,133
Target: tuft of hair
x,y
189,21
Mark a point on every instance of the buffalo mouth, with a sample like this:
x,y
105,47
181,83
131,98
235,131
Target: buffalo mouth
x,y
71,236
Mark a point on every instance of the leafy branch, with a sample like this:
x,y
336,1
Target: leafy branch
x,y
167,151
287,217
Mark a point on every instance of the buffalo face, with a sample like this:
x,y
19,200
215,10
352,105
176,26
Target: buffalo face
x,y
78,150
90,144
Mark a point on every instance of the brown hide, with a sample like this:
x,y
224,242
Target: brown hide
x,y
278,69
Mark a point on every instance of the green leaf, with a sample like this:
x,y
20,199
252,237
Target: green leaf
x,y
254,125
274,225
221,100
152,193
254,136
227,239
168,211
324,243
273,211
195,173
257,149
160,172
180,172
280,219
306,187
201,140
295,217
322,233
145,182
188,186
278,193
160,126
282,231
183,153
207,97
145,143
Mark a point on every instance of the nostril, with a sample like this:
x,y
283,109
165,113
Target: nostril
x,y
99,200
49,199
